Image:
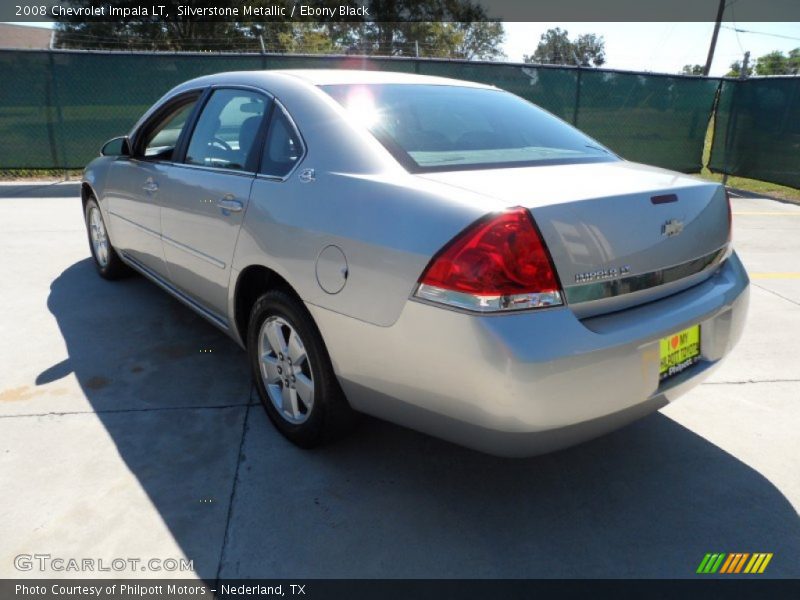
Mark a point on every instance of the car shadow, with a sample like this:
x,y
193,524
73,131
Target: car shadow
x,y
647,501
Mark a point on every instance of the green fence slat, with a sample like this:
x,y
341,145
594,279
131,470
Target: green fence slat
x,y
757,130
654,119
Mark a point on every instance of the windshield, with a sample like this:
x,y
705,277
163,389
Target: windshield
x,y
441,127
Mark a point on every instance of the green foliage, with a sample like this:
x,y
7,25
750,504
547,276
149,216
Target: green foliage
x,y
154,33
555,48
590,50
305,38
773,63
692,70
736,70
480,40
777,63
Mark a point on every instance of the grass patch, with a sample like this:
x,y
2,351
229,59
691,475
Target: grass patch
x,y
753,185
742,183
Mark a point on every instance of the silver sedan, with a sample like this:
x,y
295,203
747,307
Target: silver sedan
x,y
437,253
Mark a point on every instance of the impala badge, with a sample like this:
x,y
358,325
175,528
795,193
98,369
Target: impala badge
x,y
603,274
672,228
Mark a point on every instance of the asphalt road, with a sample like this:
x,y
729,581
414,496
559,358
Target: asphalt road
x,y
128,429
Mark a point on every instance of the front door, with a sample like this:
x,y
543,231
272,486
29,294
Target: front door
x,y
135,185
207,196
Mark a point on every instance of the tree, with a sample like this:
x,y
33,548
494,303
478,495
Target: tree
x,y
442,28
590,50
306,38
154,33
736,70
480,40
776,63
555,48
692,70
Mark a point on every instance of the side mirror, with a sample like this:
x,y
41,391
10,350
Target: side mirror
x,y
118,146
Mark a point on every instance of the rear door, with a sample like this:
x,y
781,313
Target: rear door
x,y
208,191
135,185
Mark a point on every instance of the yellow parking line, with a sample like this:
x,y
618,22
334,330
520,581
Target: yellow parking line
x,y
766,213
774,275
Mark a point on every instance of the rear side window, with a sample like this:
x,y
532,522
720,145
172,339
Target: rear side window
x,y
226,131
283,148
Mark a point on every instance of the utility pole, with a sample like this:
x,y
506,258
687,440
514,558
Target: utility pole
x,y
416,47
263,47
714,36
577,106
745,65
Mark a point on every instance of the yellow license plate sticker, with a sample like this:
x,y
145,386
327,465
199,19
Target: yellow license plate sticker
x,y
679,351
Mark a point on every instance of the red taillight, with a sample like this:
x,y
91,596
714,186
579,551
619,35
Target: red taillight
x,y
498,263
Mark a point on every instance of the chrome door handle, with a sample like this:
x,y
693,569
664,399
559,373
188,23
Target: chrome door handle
x,y
230,205
150,186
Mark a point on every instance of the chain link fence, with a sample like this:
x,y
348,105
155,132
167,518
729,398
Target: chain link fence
x,y
58,107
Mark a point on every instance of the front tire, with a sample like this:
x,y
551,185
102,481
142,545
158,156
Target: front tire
x,y
108,263
293,373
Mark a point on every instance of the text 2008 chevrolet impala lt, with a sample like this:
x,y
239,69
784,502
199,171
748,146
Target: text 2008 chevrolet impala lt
x,y
437,253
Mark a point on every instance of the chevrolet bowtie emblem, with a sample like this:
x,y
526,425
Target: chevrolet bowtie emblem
x,y
671,228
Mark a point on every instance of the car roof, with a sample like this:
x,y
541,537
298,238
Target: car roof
x,y
275,79
359,76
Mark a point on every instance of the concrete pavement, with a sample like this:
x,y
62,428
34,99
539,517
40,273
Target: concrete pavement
x,y
128,428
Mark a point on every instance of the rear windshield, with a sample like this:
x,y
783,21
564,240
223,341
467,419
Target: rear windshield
x,y
440,127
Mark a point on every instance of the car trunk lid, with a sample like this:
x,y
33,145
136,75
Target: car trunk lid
x,y
620,233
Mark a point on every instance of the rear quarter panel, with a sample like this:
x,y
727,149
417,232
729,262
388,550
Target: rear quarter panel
x,y
388,228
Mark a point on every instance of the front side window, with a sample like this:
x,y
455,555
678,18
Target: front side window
x,y
160,139
226,131
283,148
443,127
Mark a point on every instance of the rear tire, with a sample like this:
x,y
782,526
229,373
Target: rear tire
x,y
293,373
108,263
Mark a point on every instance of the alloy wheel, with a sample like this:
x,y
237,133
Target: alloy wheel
x,y
99,237
286,370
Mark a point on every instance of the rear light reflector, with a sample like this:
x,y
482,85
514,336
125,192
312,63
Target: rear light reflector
x,y
499,263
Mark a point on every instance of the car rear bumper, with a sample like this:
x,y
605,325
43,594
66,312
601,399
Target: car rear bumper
x,y
532,382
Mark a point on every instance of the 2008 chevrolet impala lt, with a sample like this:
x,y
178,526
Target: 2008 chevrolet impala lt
x,y
437,253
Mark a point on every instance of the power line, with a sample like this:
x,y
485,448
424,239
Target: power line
x,y
777,35
738,41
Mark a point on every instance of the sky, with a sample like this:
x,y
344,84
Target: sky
x,y
659,47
